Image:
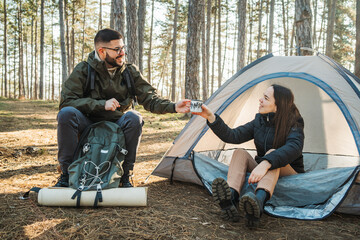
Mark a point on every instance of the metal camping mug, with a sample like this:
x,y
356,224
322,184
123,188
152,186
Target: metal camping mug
x,y
195,106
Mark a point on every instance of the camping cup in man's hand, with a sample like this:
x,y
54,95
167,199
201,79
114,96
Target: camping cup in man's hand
x,y
195,106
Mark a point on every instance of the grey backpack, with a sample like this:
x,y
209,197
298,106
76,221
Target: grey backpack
x,y
97,160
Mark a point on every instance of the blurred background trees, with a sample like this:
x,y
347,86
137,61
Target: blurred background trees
x,y
42,41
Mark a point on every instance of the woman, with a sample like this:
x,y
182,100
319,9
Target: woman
x,y
278,134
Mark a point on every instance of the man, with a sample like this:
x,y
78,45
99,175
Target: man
x,y
109,100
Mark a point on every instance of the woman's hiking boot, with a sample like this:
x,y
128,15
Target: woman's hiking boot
x,y
227,198
253,206
125,180
63,180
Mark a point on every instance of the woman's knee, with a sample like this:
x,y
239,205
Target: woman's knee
x,y
241,153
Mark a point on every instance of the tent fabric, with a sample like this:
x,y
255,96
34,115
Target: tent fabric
x,y
328,98
308,196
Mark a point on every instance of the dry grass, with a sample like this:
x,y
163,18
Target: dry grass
x,y
178,211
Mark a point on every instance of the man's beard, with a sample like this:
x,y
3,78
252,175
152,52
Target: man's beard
x,y
112,61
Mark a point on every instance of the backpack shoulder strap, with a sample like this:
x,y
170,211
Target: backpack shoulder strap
x,y
90,80
130,84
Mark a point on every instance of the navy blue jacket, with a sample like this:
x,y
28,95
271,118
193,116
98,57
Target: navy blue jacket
x,y
262,130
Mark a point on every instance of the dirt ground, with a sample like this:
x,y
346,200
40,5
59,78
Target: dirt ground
x,y
178,211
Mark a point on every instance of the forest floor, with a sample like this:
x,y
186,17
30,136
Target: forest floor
x,y
178,211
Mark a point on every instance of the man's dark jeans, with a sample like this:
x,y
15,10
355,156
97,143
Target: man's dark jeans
x,y
71,123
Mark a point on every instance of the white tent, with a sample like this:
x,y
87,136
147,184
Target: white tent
x,y
326,94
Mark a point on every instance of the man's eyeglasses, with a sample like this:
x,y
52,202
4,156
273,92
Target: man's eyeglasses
x,y
117,50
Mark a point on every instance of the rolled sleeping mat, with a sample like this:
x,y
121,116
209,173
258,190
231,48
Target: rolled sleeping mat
x,y
61,197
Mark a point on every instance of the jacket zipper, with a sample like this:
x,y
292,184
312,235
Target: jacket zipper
x,y
267,134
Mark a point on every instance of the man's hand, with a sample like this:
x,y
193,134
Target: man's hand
x,y
111,104
183,106
259,172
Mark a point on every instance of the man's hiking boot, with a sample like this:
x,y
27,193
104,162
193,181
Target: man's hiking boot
x,y
63,180
253,206
227,199
125,181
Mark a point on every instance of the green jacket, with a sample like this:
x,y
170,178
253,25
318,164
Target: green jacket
x,y
93,106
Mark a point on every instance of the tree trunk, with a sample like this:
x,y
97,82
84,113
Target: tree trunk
x,y
251,12
62,41
330,28
303,25
213,53
72,62
207,46
241,42
52,59
150,43
286,33
321,27
203,52
173,53
36,80
21,55
32,58
83,32
112,15
226,37
219,44
315,6
27,88
271,28
42,67
131,32
357,49
67,37
100,16
119,15
258,54
192,51
141,28
5,51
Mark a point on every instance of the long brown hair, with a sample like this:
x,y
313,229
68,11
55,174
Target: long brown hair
x,y
286,115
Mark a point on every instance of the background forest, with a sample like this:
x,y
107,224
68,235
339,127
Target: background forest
x,y
185,48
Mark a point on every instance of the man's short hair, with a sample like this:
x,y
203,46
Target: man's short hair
x,y
106,35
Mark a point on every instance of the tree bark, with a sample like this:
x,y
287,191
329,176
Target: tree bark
x,y
251,12
36,80
131,32
271,28
315,6
141,30
5,51
219,44
192,51
173,53
32,58
207,46
119,15
303,25
72,62
52,59
67,37
42,53
100,16
213,53
62,41
258,54
226,37
330,28
241,42
357,48
21,54
83,32
112,15
286,31
203,51
150,43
